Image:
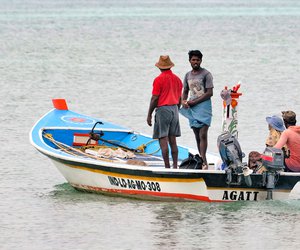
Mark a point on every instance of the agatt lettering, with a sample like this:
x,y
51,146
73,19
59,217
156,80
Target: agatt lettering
x,y
240,195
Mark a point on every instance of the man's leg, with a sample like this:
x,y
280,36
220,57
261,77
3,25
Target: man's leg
x,y
163,142
174,150
203,143
197,137
201,140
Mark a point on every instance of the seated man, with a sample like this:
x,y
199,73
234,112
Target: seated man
x,y
291,138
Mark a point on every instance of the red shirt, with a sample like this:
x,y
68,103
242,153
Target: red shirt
x,y
168,87
291,138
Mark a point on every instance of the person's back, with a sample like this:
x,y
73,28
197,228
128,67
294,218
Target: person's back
x,y
291,138
169,88
165,100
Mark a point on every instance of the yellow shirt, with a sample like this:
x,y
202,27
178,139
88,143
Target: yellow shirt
x,y
273,137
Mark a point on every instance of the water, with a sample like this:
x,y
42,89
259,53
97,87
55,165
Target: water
x,y
100,56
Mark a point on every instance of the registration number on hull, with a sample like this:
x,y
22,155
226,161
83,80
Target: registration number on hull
x,y
134,184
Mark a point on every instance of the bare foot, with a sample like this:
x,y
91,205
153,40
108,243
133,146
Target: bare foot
x,y
204,167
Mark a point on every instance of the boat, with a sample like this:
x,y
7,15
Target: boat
x,y
98,156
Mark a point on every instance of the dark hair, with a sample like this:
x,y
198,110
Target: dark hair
x,y
290,122
289,117
195,53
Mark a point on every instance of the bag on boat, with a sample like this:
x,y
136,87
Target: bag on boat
x,y
192,162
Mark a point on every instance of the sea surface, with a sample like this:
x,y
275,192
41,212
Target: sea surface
x,y
100,56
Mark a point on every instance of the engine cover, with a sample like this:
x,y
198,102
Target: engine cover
x,y
230,150
273,159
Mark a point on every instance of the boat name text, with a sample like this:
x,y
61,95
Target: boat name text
x,y
240,196
134,184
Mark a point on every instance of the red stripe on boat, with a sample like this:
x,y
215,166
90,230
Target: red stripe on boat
x,y
147,193
85,135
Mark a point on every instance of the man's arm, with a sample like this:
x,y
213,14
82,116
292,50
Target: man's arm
x,y
152,106
208,94
184,97
282,140
179,103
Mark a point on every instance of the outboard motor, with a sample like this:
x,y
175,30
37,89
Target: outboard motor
x,y
273,161
232,155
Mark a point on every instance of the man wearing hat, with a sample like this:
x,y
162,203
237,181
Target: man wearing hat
x,y
291,138
165,100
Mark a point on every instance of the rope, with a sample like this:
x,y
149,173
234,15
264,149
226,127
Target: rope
x,y
143,146
68,149
140,149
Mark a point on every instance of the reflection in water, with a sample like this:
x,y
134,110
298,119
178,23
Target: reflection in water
x,y
214,226
183,225
167,218
65,193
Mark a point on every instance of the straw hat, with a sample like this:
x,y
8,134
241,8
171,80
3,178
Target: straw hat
x,y
275,122
164,62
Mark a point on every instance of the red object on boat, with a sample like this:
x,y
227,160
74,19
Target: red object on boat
x,y
60,104
267,158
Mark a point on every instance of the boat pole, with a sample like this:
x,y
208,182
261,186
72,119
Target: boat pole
x,y
230,107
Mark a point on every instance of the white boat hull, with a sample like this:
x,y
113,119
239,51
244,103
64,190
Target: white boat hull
x,y
159,188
